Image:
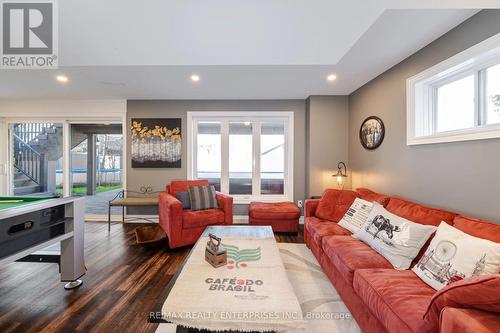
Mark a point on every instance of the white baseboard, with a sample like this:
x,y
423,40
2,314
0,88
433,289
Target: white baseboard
x,y
240,219
237,219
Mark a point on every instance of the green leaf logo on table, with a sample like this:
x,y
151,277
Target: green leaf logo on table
x,y
238,258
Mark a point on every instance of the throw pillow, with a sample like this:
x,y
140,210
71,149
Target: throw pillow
x,y
371,196
334,204
395,238
202,197
183,197
454,255
356,215
481,292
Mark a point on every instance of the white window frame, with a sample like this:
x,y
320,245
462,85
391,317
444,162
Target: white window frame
x,y
256,117
421,95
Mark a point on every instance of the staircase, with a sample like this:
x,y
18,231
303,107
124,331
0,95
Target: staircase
x,y
23,185
37,147
34,145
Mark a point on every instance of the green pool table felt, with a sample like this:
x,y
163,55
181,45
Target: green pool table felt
x,y
25,201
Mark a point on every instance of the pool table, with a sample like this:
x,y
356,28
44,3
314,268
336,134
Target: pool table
x,y
7,202
44,229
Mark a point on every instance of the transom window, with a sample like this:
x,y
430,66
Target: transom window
x,y
458,99
248,155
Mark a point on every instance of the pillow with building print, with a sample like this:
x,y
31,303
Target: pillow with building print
x,y
397,239
454,255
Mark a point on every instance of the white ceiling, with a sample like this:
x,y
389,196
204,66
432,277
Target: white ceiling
x,y
240,49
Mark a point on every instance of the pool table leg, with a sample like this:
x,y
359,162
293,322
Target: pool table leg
x,y
72,249
123,214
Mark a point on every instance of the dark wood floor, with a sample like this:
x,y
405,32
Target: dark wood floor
x,y
122,284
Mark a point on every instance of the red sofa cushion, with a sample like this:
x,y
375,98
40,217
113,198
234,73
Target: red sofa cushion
x,y
334,204
398,298
418,213
481,292
273,211
318,229
478,228
455,320
183,185
349,254
371,196
200,218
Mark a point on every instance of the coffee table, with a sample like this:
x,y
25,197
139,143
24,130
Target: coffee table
x,y
223,232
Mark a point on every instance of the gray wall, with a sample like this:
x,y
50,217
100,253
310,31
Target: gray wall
x,y
327,138
462,176
158,178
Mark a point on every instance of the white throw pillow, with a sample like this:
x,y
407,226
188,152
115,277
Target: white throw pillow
x,y
454,255
356,215
395,238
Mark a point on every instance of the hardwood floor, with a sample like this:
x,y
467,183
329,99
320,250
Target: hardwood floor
x,y
122,283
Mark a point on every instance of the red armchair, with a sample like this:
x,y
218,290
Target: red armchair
x,y
184,226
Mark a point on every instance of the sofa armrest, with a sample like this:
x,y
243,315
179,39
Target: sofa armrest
x,y
226,204
481,293
170,216
454,320
310,206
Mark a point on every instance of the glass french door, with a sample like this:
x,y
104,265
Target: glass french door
x,y
36,158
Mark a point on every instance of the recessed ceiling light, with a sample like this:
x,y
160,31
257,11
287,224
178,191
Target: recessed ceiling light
x,y
331,77
195,78
62,78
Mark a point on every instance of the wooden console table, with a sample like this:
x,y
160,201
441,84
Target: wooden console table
x,y
121,201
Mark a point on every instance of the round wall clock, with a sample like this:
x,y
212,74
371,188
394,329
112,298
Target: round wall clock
x,y
372,132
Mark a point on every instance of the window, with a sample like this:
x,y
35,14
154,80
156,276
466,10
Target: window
x,y
248,155
240,157
272,158
209,153
458,99
493,95
455,105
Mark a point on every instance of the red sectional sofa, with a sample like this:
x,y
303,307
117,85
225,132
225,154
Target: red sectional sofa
x,y
383,299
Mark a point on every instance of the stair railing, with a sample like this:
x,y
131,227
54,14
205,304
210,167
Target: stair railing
x,y
28,132
27,160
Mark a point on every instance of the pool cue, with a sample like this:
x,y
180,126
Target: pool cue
x,y
11,201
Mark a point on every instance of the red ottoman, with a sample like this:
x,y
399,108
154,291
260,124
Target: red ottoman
x,y
281,216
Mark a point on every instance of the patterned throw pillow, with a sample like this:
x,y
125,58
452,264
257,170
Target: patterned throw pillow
x,y
334,203
202,197
454,255
183,197
356,216
395,238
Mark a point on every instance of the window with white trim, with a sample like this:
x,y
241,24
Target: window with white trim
x,y
247,155
458,99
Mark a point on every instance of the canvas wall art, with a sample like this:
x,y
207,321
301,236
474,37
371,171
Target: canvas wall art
x,y
156,142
